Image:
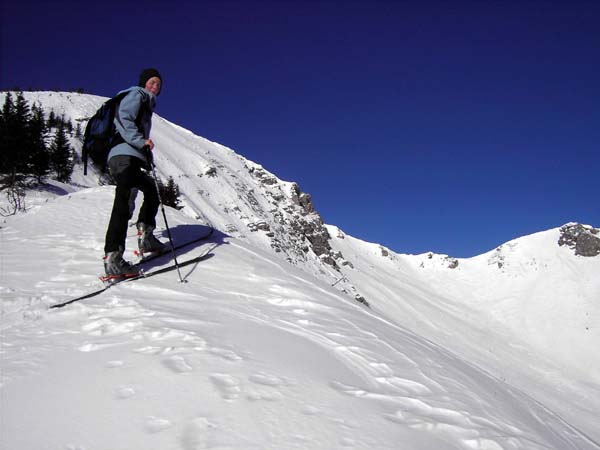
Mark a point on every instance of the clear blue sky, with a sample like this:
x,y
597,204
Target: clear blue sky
x,y
450,126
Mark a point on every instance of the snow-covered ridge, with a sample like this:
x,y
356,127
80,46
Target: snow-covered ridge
x,y
220,187
492,352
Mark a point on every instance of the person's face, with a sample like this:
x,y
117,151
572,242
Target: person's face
x,y
153,85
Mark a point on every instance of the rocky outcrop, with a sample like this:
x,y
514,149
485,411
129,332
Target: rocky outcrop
x,y
295,228
583,239
435,260
308,224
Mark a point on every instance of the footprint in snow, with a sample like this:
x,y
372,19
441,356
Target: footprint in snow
x,y
92,347
195,434
228,386
108,327
309,410
124,392
114,364
225,354
155,425
268,380
149,350
178,364
347,442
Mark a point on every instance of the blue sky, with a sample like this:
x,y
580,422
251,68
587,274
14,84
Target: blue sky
x,y
447,126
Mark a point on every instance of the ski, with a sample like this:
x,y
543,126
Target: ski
x,y
143,274
137,277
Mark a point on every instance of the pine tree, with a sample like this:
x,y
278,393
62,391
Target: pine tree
x,y
40,157
7,141
61,156
169,193
51,120
15,151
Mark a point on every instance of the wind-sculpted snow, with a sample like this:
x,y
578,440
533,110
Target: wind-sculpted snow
x,y
259,351
251,353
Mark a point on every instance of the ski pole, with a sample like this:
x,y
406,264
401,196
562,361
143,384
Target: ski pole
x,y
150,161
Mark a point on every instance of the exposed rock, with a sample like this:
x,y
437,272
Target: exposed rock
x,y
306,203
231,228
263,176
210,171
452,262
307,224
497,258
262,225
360,299
252,199
584,239
587,245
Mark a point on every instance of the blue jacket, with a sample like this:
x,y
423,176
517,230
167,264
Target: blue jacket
x,y
133,121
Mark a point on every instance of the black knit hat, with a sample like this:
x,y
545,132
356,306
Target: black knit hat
x,y
146,75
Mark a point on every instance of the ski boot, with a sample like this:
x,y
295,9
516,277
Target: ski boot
x,y
147,242
116,268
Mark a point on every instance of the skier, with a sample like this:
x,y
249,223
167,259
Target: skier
x,y
127,161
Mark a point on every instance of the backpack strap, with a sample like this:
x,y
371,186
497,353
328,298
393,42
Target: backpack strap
x,y
116,138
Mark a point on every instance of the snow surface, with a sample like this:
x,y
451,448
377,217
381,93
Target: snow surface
x,y
257,350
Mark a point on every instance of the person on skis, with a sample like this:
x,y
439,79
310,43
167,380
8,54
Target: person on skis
x,y
127,162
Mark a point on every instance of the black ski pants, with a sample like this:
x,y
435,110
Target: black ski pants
x,y
128,174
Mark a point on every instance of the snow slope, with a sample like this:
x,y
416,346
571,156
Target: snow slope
x,y
259,351
528,312
251,353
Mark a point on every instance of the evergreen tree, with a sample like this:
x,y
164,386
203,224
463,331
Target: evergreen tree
x,y
169,193
61,156
40,158
51,120
17,148
7,141
62,122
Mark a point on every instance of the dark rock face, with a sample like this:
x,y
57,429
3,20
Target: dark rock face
x,y
286,216
292,224
587,245
585,240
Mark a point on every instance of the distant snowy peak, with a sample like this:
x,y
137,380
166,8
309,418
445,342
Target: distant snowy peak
x,y
577,239
545,247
